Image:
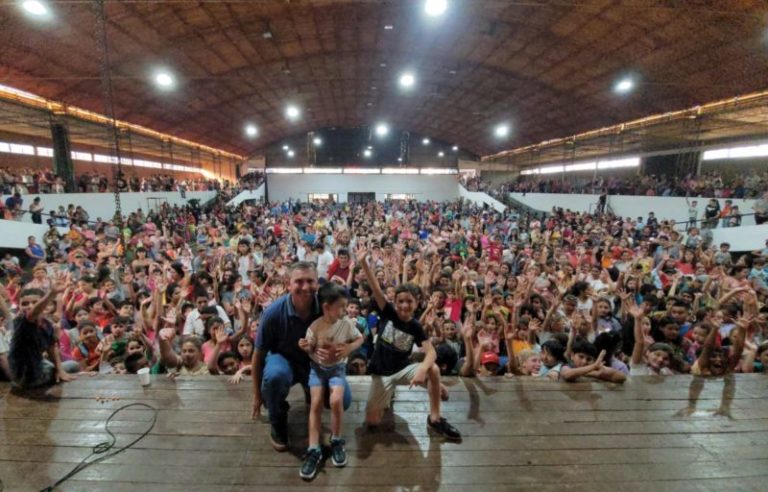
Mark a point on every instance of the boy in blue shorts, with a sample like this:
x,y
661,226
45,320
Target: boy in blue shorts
x,y
324,338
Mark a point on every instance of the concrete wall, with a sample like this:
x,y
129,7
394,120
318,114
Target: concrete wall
x,y
14,234
674,208
103,204
282,187
744,238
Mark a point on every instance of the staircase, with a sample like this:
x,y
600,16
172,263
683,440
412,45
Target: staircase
x,y
523,208
481,198
245,195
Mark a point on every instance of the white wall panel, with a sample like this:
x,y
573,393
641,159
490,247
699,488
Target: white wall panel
x,y
282,187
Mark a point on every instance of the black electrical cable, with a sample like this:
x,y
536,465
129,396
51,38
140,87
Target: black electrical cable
x,y
104,447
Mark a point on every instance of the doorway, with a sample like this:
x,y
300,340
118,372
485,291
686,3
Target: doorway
x,y
320,198
360,198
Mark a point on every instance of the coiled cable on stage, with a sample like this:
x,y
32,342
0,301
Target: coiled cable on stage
x,y
105,449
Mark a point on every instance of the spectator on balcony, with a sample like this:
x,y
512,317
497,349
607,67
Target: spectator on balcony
x,y
711,214
734,217
36,209
761,209
601,202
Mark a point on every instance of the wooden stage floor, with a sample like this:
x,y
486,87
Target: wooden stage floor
x,y
648,434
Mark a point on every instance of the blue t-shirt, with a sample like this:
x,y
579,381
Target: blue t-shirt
x,y
281,329
37,250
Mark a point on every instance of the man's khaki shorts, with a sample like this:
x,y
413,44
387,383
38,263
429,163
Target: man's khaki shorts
x,y
383,387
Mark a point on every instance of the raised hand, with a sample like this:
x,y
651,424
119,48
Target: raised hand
x,y
167,334
220,335
634,310
623,295
600,361
361,254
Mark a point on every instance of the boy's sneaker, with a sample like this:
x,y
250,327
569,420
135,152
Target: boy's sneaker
x,y
338,453
445,429
279,437
311,464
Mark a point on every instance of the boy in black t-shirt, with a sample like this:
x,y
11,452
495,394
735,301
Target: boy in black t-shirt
x,y
390,364
32,337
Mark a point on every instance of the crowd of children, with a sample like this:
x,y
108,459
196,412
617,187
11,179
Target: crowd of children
x,y
404,291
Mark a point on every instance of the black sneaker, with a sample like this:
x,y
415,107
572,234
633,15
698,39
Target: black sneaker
x,y
338,453
311,464
445,429
279,437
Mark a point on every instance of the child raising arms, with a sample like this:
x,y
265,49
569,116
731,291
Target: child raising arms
x,y
324,338
390,364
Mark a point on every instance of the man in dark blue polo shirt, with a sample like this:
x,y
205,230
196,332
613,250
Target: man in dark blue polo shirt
x,y
278,362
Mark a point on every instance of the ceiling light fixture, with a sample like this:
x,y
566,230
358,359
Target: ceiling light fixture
x,y
425,141
435,8
441,154
407,80
624,85
286,148
382,129
455,148
292,112
399,159
35,8
501,130
388,27
317,141
291,154
164,80
367,153
251,130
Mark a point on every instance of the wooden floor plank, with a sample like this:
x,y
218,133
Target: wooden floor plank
x,y
646,434
702,413
415,473
386,457
711,485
